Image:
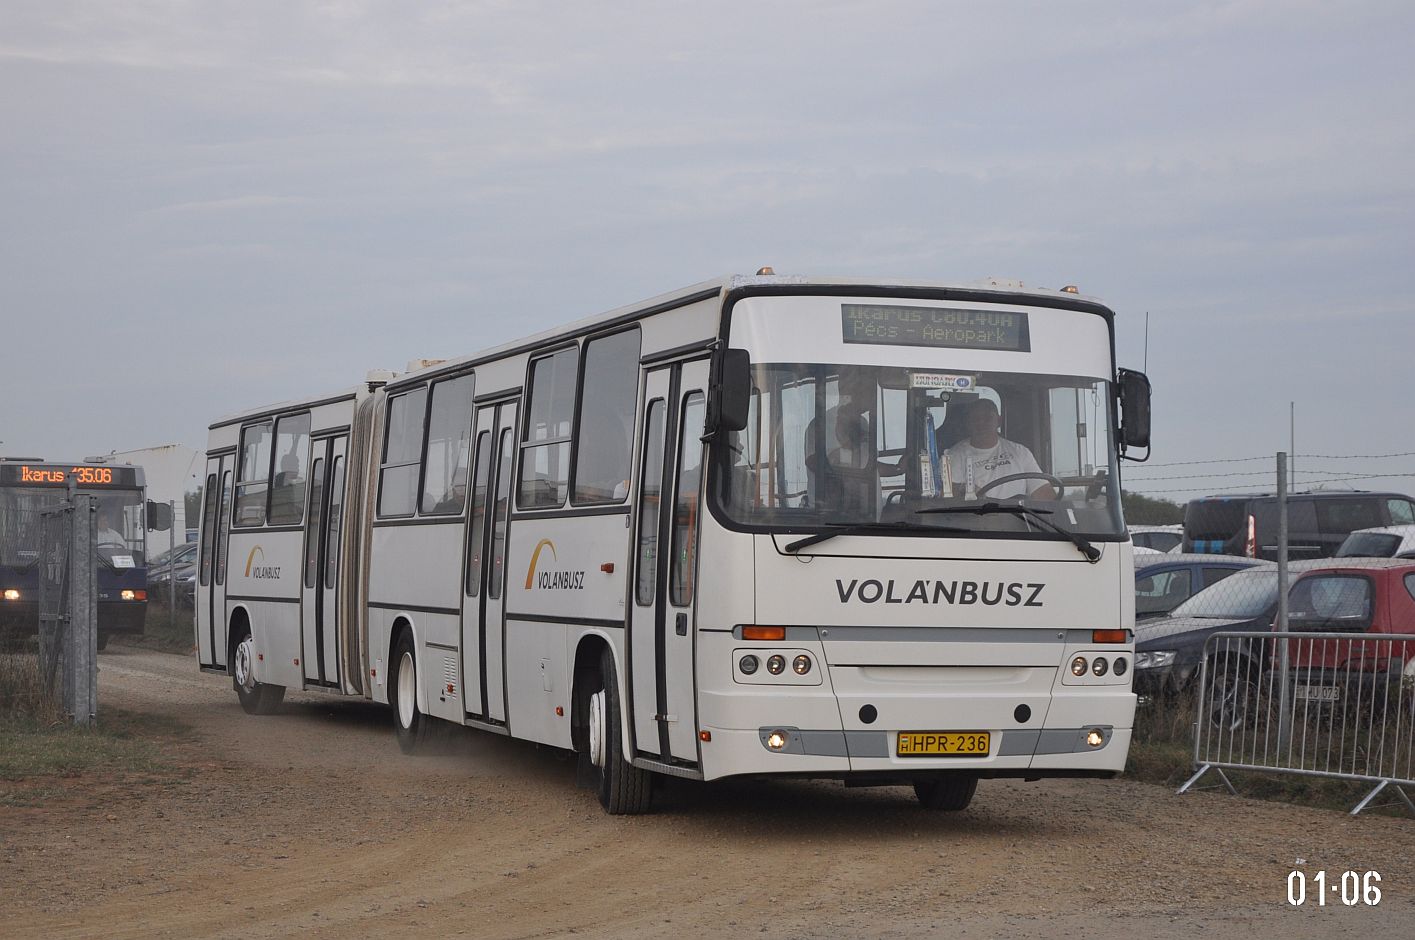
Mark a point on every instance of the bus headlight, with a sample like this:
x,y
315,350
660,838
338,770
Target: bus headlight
x,y
11,594
1078,666
1120,667
748,664
776,664
1100,667
802,664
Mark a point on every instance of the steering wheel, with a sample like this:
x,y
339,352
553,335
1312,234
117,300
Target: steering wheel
x,y
1057,486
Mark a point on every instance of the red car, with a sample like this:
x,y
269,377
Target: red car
x,y
1372,597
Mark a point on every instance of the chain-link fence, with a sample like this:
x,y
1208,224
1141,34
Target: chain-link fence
x,y
48,657
1281,627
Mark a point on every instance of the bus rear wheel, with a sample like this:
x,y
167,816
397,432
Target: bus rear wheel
x,y
409,723
257,698
624,790
946,792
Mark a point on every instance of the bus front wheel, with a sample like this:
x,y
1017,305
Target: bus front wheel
x,y
624,790
257,698
409,723
946,792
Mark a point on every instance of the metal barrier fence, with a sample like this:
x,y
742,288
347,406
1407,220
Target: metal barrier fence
x,y
49,667
1322,704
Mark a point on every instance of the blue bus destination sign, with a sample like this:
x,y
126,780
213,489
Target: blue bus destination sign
x,y
891,325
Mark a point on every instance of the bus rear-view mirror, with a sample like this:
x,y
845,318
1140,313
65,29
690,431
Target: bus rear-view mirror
x,y
159,516
734,392
1134,408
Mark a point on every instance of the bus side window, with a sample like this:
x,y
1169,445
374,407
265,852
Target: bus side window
x,y
208,527
550,409
402,448
685,509
223,527
292,450
445,456
651,504
604,433
254,477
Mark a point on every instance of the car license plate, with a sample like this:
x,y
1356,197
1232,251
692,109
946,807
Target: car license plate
x,y
1319,693
943,744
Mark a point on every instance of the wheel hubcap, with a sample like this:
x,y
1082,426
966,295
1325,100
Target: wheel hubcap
x,y
244,675
407,691
597,730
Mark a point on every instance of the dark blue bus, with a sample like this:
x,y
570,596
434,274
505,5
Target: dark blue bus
x,y
120,544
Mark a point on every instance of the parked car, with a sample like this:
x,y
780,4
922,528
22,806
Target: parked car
x,y
1168,650
179,564
1387,541
180,554
1317,523
1164,581
1162,538
1374,596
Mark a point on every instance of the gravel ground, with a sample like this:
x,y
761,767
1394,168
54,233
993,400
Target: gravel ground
x,y
312,821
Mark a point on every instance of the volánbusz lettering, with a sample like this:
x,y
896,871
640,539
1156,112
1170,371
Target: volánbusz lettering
x,y
957,593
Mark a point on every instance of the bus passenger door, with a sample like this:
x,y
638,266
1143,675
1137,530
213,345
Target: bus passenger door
x,y
661,634
211,560
318,593
483,637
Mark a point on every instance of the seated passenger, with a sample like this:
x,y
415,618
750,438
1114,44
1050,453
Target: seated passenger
x,y
985,455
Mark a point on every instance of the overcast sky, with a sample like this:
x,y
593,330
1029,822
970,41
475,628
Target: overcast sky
x,y
211,206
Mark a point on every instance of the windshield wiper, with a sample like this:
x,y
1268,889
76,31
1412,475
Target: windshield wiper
x,y
1038,516
852,528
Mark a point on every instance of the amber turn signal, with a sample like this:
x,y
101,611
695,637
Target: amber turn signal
x,y
764,633
1108,636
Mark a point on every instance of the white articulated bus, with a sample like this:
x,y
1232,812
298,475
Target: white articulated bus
x,y
759,526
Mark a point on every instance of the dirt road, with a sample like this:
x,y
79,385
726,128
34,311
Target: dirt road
x,y
312,821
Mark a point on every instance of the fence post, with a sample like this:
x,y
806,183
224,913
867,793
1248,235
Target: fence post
x,y
81,653
1284,717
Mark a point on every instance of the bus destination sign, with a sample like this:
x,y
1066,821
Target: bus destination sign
x,y
951,328
23,474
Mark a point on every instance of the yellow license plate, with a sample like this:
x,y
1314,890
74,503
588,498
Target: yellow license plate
x,y
943,744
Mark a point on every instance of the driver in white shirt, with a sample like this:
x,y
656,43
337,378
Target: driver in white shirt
x,y
985,455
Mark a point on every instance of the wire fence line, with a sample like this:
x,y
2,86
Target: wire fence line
x,y
1290,626
49,641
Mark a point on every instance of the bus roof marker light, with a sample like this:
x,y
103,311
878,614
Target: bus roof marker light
x,y
765,271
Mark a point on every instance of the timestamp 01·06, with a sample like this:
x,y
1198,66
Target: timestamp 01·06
x,y
1352,887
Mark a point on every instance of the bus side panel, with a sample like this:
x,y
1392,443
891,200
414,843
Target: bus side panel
x,y
538,681
380,634
263,574
419,567
725,599
555,568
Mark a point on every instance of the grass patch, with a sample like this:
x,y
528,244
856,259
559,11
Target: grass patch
x,y
43,762
1162,752
164,629
23,696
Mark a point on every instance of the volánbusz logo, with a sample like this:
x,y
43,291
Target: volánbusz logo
x,y
555,579
959,593
260,572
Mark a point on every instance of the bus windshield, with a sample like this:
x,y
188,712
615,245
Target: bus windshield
x,y
118,526
845,444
